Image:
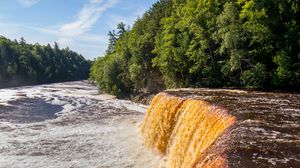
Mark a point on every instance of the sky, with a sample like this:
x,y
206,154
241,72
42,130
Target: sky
x,y
81,25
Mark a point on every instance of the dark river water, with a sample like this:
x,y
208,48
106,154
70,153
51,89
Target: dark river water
x,y
267,133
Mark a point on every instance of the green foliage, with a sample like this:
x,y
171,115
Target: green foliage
x,y
22,63
132,53
137,75
200,43
255,77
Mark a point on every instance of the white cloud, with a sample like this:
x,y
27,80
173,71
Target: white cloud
x,y
76,31
75,34
28,3
84,21
116,19
65,41
87,17
65,38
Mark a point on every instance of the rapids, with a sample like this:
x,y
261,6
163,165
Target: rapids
x,y
68,125
71,124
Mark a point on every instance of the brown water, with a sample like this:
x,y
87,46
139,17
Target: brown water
x,y
185,131
267,132
70,125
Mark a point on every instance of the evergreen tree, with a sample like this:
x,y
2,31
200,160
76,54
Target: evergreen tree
x,y
22,63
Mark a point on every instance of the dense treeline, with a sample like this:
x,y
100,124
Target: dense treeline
x,y
22,63
205,43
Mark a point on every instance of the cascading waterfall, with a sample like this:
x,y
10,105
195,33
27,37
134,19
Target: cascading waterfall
x,y
187,131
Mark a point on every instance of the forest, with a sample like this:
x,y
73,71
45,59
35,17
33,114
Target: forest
x,y
250,44
27,64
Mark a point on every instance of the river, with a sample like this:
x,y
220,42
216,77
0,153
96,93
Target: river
x,y
68,125
267,132
71,124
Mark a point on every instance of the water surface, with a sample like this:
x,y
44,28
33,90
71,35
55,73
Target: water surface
x,y
267,133
68,125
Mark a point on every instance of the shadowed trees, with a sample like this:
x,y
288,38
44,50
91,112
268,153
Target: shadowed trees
x,y
22,63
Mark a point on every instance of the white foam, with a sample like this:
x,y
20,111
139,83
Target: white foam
x,y
80,136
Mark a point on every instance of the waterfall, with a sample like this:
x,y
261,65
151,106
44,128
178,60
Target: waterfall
x,y
189,132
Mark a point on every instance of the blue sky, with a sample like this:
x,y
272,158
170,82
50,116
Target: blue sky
x,y
80,24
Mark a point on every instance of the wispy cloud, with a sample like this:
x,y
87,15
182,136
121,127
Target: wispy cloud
x,y
84,20
87,17
28,3
116,19
77,31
